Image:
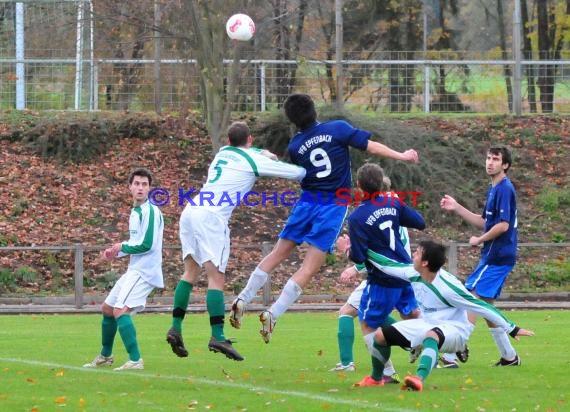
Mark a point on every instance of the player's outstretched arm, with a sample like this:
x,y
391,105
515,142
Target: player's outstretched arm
x,y
269,167
269,154
382,150
450,204
521,332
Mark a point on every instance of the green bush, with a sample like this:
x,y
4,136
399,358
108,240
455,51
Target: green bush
x,y
7,280
82,138
551,199
552,273
26,274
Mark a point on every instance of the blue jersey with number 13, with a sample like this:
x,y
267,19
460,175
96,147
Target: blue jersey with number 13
x,y
322,149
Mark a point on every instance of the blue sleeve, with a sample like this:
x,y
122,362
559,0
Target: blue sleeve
x,y
358,240
352,136
504,202
484,211
411,218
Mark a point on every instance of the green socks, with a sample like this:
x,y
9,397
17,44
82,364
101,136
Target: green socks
x,y
384,352
181,300
428,358
345,338
108,331
216,308
377,364
129,336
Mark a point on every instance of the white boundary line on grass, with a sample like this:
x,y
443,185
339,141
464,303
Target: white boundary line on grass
x,y
298,394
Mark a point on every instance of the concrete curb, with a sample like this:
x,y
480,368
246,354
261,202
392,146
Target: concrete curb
x,y
164,305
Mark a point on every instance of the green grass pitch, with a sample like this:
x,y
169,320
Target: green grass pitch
x,y
41,358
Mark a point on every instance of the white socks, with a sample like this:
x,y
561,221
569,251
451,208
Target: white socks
x,y
389,368
450,357
369,341
503,343
288,296
255,282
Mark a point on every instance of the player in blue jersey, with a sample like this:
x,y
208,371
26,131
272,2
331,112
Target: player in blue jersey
x,y
323,150
407,307
499,239
144,274
374,230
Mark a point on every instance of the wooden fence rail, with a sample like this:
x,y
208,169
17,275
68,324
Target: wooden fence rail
x,y
79,250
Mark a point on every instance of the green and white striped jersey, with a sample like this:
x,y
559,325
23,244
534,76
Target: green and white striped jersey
x,y
232,174
444,299
144,246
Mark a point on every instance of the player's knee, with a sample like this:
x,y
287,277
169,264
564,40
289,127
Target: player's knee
x,y
414,314
347,310
379,337
106,310
437,334
118,312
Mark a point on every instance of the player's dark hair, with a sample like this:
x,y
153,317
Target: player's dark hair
x,y
142,172
238,132
433,253
370,178
300,110
505,155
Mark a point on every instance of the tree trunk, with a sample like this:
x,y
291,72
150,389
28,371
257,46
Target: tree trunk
x,y
328,30
412,43
218,91
129,72
527,53
545,72
394,43
284,50
503,43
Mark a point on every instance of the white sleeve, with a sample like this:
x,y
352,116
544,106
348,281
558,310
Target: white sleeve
x,y
460,297
404,271
275,168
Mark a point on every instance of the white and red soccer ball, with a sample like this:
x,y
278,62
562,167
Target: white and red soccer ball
x,y
240,27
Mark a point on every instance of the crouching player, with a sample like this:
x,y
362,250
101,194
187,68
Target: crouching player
x,y
444,302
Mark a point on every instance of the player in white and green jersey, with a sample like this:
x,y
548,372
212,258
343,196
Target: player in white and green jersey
x,y
444,301
129,294
204,232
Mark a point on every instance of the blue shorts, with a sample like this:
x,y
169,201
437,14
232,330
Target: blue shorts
x,y
488,280
408,302
378,302
317,224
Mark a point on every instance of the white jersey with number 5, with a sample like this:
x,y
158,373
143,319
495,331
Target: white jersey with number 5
x,y
233,173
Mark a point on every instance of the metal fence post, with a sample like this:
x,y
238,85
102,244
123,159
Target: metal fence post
x,y
262,90
452,257
265,250
427,96
78,275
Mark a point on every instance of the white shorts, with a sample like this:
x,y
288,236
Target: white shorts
x,y
131,290
204,236
356,295
415,330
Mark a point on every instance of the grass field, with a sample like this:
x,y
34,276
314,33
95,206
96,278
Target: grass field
x,y
41,358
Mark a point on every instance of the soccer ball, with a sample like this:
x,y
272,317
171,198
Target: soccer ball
x,y
240,27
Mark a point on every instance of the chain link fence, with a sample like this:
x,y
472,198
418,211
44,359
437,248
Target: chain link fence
x,y
49,60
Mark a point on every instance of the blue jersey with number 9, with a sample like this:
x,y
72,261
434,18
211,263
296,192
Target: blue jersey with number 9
x,y
322,149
